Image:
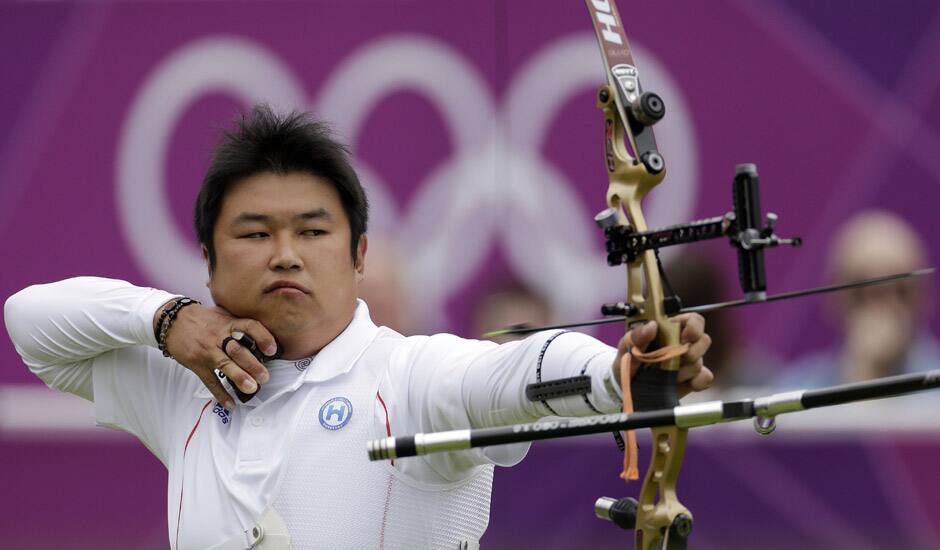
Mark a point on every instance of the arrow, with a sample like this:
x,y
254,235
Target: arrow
x,y
526,329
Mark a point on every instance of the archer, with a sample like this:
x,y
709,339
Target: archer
x,y
282,221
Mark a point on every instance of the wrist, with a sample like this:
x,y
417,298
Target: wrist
x,y
144,314
166,318
160,312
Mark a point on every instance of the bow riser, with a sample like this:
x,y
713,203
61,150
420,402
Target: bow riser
x,y
628,183
654,520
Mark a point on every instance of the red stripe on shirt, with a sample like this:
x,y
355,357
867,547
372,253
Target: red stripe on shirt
x,y
388,490
388,427
179,513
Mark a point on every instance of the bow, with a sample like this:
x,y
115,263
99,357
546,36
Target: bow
x,y
634,167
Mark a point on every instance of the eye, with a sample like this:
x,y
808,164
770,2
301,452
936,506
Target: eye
x,y
255,235
314,232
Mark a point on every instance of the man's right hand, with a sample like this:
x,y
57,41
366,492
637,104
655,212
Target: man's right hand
x,y
195,339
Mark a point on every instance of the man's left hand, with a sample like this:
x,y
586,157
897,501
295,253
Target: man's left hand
x,y
693,374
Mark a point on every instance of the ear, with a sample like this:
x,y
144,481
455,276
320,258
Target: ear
x,y
205,257
361,257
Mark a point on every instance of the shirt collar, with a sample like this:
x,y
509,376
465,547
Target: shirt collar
x,y
342,352
335,358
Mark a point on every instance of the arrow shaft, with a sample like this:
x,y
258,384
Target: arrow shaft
x,y
733,303
811,291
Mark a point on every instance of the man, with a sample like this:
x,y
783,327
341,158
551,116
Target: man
x,y
883,327
282,219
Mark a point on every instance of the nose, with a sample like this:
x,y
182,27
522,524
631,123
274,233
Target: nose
x,y
285,256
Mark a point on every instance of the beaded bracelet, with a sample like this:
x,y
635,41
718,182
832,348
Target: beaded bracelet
x,y
163,312
166,321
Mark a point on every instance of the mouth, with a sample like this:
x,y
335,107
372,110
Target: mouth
x,y
287,287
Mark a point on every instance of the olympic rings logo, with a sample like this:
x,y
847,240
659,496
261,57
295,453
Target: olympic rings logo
x,y
540,221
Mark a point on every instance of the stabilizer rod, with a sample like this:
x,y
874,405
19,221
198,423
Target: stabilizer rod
x,y
684,416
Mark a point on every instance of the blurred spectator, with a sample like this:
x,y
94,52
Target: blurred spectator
x,y
883,330
509,303
382,287
697,280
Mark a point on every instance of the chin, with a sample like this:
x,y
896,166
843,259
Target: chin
x,y
287,325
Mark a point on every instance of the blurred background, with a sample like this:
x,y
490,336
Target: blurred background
x,y
473,126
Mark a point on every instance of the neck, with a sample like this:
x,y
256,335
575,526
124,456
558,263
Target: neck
x,y
311,340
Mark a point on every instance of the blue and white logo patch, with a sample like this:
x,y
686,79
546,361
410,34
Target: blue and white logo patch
x,y
335,413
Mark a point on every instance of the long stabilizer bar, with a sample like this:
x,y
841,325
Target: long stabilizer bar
x,y
685,416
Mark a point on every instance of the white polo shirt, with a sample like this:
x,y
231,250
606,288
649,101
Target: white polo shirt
x,y
299,447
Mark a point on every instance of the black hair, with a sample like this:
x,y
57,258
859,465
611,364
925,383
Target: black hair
x,y
263,141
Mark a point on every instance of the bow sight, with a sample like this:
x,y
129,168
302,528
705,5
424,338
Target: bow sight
x,y
742,226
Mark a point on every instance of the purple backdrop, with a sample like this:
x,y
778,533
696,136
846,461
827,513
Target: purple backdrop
x,y
475,129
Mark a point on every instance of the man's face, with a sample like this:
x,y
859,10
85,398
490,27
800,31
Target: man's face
x,y
282,255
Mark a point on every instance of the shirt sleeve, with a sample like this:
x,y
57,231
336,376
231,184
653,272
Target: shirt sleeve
x,y
454,384
93,337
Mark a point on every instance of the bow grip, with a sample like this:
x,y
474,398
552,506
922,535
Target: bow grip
x,y
654,388
747,213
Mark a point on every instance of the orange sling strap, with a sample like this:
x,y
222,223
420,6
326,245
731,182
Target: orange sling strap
x,y
630,453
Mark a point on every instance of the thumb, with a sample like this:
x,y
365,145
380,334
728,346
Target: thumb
x,y
644,334
640,338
